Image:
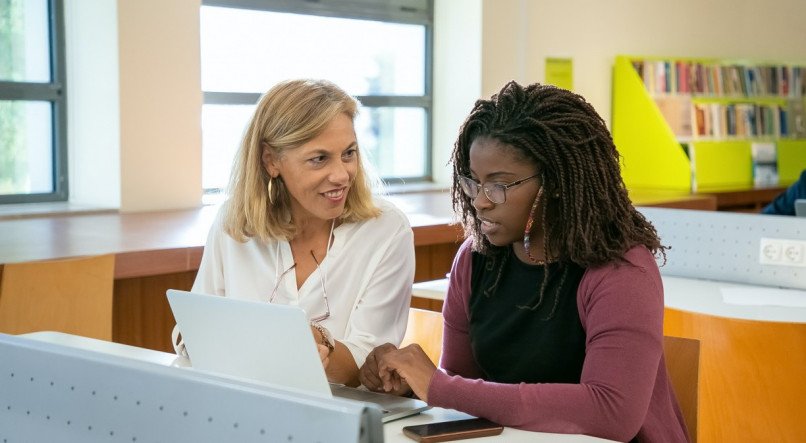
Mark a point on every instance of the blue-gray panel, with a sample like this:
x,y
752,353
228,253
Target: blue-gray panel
x,y
725,246
50,392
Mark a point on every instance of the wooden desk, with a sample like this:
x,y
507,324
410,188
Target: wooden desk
x,y
751,359
742,199
156,251
673,199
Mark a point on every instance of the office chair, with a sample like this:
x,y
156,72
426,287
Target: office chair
x,y
72,296
425,329
683,366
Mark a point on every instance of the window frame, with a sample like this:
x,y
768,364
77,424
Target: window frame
x,y
55,93
391,11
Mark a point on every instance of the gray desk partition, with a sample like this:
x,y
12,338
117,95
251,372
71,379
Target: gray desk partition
x,y
53,393
727,246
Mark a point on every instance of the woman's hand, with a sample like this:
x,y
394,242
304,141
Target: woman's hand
x,y
339,364
407,365
368,374
324,355
324,351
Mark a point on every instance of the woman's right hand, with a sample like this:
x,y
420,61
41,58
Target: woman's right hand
x,y
368,374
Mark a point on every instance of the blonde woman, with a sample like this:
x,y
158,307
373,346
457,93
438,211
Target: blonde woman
x,y
301,227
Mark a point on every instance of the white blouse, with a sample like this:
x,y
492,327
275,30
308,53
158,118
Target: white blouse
x,y
369,272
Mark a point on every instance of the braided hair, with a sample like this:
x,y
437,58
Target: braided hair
x,y
586,215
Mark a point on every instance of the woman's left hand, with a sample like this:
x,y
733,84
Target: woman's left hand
x,y
410,364
324,355
324,352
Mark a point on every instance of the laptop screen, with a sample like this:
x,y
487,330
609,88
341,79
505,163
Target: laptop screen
x,y
253,340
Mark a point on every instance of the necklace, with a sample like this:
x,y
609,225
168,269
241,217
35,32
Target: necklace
x,y
278,261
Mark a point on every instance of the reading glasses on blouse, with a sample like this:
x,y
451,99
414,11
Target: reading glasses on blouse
x,y
495,192
321,280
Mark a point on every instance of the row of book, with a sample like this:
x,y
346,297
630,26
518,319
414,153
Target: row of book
x,y
687,77
689,119
739,120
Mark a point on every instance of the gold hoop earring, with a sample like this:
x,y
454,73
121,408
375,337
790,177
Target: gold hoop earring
x,y
271,195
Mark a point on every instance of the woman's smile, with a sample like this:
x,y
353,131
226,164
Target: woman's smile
x,y
336,195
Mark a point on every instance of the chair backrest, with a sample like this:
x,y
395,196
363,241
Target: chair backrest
x,y
425,329
683,366
72,296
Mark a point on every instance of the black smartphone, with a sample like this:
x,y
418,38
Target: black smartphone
x,y
453,430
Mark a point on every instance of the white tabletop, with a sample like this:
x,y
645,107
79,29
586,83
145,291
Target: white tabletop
x,y
392,431
695,295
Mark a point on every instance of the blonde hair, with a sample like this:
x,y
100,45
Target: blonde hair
x,y
290,114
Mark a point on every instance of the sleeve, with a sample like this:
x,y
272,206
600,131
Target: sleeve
x,y
382,311
210,278
784,203
457,357
622,312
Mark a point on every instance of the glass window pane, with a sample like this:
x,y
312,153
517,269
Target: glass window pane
x,y
222,129
249,51
26,147
394,140
24,41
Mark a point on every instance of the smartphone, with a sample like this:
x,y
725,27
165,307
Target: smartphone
x,y
453,430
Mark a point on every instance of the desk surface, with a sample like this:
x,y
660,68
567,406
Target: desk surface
x,y
685,294
392,431
742,198
153,243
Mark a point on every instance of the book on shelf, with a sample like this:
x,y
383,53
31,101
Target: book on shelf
x,y
725,105
742,120
721,79
676,109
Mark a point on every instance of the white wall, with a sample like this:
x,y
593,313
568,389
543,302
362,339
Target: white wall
x,y
93,106
134,103
593,32
160,104
135,91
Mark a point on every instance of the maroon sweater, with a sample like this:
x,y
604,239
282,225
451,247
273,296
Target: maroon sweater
x,y
624,391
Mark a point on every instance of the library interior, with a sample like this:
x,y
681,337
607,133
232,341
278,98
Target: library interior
x,y
120,122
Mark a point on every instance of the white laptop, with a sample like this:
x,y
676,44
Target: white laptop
x,y
267,343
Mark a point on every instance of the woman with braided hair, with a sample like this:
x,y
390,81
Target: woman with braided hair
x,y
554,311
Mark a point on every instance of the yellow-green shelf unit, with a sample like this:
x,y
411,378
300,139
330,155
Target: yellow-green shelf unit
x,y
653,156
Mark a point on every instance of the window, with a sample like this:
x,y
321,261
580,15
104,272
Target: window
x,y
33,160
378,51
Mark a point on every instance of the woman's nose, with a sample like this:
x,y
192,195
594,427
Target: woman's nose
x,y
339,173
481,201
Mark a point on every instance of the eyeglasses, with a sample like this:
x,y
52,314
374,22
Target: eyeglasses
x,y
321,280
495,192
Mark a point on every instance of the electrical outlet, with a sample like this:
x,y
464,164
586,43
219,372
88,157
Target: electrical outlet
x,y
782,252
770,251
792,253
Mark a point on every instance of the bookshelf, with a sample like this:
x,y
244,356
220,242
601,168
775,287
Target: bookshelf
x,y
696,125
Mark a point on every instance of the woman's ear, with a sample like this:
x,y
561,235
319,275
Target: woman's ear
x,y
267,157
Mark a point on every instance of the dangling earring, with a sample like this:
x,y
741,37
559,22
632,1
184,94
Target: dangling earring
x,y
529,223
271,195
